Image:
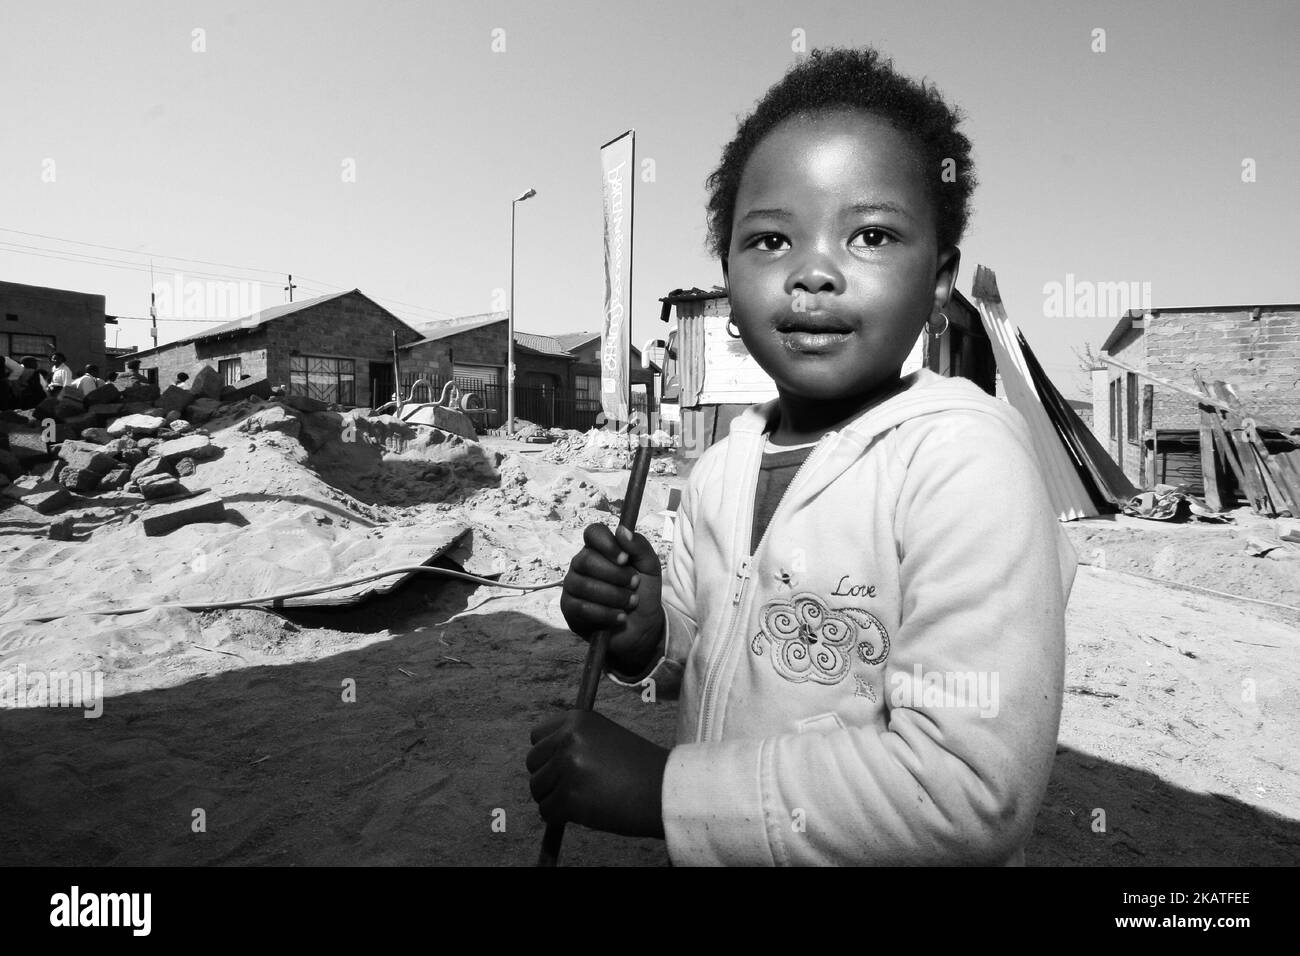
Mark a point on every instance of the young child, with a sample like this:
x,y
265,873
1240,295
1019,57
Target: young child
x,y
864,607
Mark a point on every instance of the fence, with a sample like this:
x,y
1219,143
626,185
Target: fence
x,y
546,407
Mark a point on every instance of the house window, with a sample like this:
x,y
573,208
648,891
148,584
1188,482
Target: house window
x,y
229,370
38,345
587,386
1114,409
11,317
1131,406
329,380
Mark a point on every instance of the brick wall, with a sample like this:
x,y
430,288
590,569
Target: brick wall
x,y
481,346
348,327
1260,358
75,319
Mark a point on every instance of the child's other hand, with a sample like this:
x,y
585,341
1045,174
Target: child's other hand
x,y
588,770
615,584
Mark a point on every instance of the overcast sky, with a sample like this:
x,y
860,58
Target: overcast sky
x,y
378,145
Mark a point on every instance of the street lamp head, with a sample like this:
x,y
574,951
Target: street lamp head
x,y
528,195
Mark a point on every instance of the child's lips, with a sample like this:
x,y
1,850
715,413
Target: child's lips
x,y
813,340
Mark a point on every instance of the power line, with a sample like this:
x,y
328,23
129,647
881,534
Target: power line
x,y
134,265
94,245
86,258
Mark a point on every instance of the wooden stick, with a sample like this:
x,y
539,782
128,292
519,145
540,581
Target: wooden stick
x,y
1209,466
594,668
1226,448
1255,487
1204,399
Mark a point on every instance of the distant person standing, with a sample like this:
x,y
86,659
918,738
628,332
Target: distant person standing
x,y
88,381
131,376
60,374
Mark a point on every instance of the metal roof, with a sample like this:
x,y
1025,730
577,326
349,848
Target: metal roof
x,y
541,343
258,319
1126,321
575,340
434,332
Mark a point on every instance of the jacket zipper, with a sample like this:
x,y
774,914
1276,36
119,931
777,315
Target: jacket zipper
x,y
724,650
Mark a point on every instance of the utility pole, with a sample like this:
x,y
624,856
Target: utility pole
x,y
510,323
290,287
153,307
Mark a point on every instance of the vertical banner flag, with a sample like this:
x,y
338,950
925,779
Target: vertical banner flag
x,y
617,160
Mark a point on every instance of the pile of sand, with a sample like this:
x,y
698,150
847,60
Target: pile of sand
x,y
603,450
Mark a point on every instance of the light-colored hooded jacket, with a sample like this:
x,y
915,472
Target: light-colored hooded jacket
x,y
880,683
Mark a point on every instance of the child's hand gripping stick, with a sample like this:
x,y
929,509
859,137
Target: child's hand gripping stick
x,y
596,650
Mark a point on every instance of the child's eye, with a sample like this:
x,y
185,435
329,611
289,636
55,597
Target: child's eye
x,y
770,242
874,237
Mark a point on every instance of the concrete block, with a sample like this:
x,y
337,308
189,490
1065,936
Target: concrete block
x,y
98,436
80,480
198,447
159,486
247,388
46,497
164,518
147,468
87,456
136,425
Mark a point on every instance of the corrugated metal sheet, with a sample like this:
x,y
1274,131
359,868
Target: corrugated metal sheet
x,y
731,376
1070,499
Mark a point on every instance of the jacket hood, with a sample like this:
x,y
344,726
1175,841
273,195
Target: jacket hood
x,y
926,393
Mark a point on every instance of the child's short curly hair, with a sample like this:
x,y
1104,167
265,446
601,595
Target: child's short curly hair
x,y
855,79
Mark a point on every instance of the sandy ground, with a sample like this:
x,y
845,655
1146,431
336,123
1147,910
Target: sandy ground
x,y
1177,743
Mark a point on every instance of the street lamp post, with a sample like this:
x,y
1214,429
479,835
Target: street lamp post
x,y
510,322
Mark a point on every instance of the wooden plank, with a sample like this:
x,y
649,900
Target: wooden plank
x,y
1289,466
1281,491
1226,447
1254,486
1206,399
1214,495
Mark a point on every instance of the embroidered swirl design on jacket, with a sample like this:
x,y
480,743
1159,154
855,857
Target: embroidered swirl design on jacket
x,y
813,642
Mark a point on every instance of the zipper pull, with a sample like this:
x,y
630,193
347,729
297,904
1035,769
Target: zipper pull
x,y
743,576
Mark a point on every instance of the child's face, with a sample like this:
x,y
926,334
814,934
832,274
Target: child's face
x,y
834,266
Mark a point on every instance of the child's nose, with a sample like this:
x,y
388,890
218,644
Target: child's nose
x,y
815,272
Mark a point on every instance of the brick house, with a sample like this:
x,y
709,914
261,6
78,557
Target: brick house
x,y
37,320
553,383
335,348
1153,432
473,347
585,347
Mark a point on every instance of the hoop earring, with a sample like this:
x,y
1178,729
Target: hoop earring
x,y
735,334
940,333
